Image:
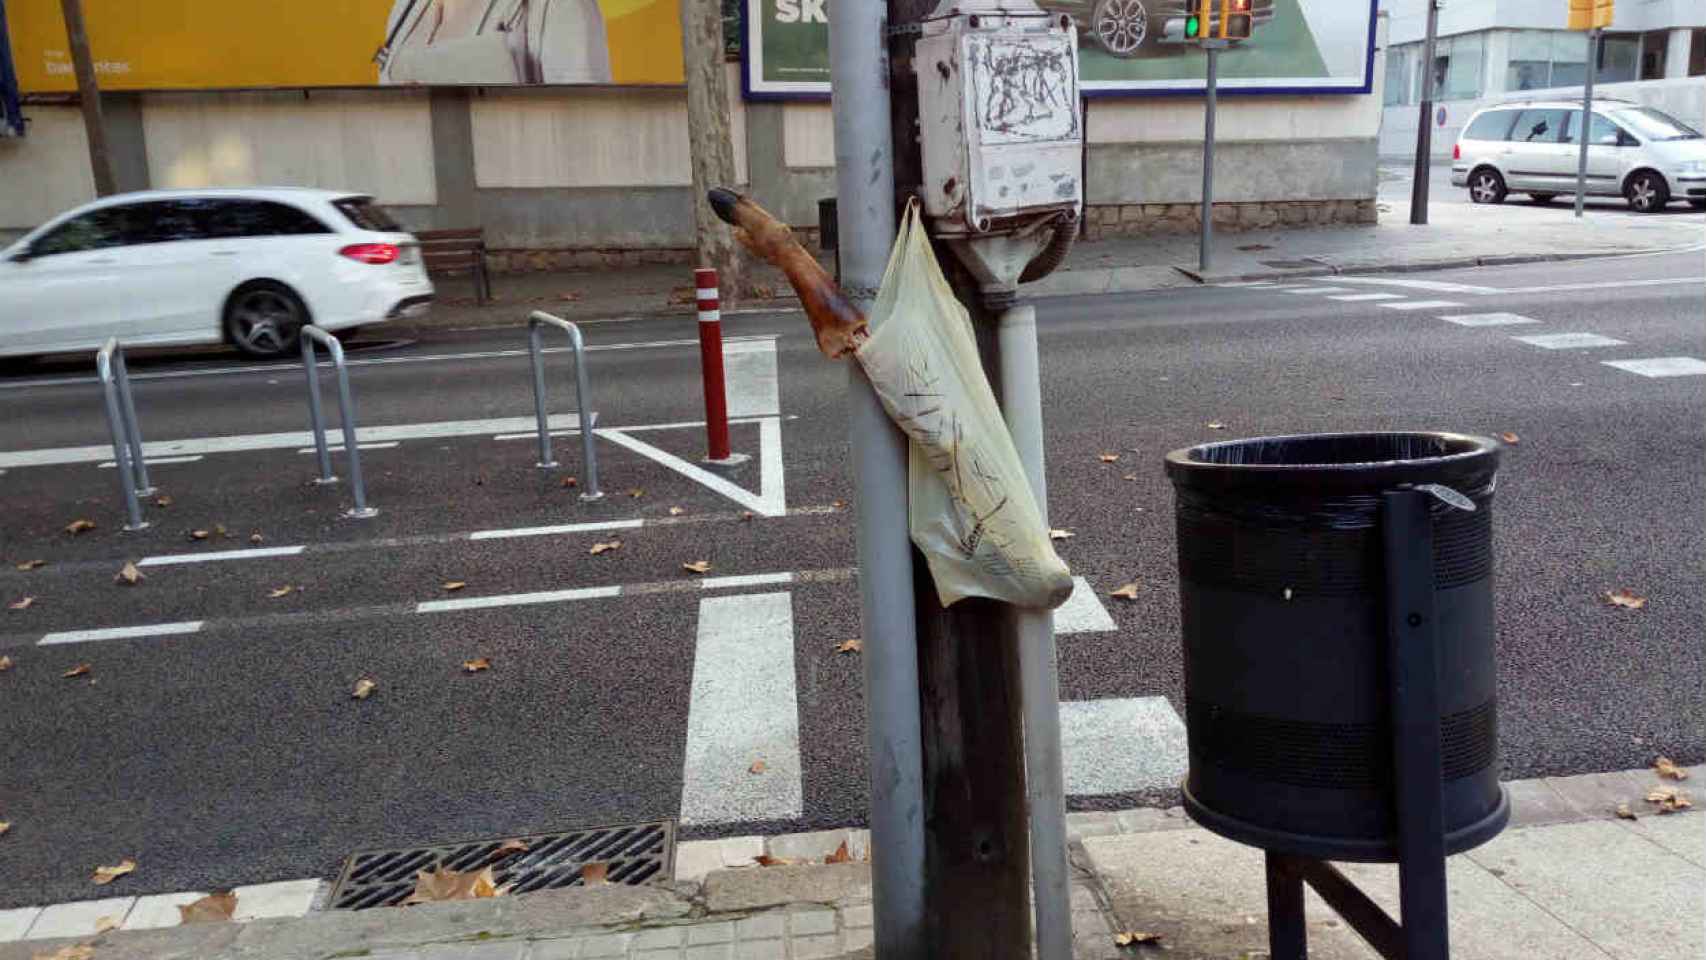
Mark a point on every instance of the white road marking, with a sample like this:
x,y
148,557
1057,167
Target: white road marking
x,y
1488,319
253,553
771,501
518,599
77,918
1363,297
743,710
283,441
1121,746
749,378
159,910
553,531
746,580
1433,286
152,461
15,922
281,898
1420,305
1605,285
1570,341
339,448
1661,366
635,428
1306,291
1246,283
121,633
1082,612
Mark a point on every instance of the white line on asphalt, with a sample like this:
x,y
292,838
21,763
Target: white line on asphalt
x,y
1605,285
1307,291
637,428
253,553
339,448
771,500
743,710
1433,286
1082,612
1121,746
121,633
749,374
1419,305
518,599
153,461
1364,297
552,531
1570,341
1247,283
1661,366
1488,319
746,580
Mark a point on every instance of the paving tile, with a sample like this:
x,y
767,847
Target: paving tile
x,y
858,939
78,918
709,951
858,916
663,953
659,937
763,926
740,851
16,922
555,950
807,922
812,948
159,910
287,898
515,950
761,950
1536,802
1683,834
1598,794
606,945
813,846
1145,819
696,858
701,933
1092,824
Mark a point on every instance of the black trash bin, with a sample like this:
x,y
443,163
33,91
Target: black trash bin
x,y
1283,595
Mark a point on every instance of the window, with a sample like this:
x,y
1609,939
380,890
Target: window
x,y
95,230
1458,66
1605,133
1492,125
1619,57
1400,74
1539,126
1653,54
1530,64
1569,58
1655,124
258,218
367,215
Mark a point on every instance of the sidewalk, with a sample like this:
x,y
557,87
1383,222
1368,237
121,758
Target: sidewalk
x,y
1567,880
1458,235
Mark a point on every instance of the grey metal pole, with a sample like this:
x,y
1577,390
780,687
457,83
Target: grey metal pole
x,y
1206,237
583,394
534,345
1587,121
1039,676
127,406
864,175
352,452
316,422
121,449
1420,176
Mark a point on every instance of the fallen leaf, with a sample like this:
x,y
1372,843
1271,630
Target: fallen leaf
x,y
599,548
32,564
841,855
80,951
162,501
1128,938
1626,598
79,525
758,766
1108,457
363,689
636,493
198,534
283,591
766,860
745,515
595,874
1623,812
103,924
1669,799
1216,425
1510,438
1061,534
77,671
697,566
510,848
451,586
5,825
219,531
22,603
568,296
216,907
256,537
477,664
1666,767
1129,476
850,646
676,511
1127,592
5,664
571,482
106,875
128,574
837,504
443,883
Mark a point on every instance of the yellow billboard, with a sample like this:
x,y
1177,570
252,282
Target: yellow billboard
x,y
218,44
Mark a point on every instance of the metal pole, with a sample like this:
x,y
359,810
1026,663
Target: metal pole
x,y
1587,121
534,345
711,365
352,451
1206,239
89,95
1288,935
1039,677
1419,180
127,406
121,448
864,174
316,422
583,396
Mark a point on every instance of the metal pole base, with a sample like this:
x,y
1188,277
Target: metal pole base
x,y
363,514
323,481
147,491
732,460
552,465
133,527
590,497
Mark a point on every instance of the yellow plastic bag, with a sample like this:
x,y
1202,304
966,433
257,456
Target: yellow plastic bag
x,y
972,511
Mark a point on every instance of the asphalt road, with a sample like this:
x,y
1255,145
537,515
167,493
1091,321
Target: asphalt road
x,y
1396,178
231,751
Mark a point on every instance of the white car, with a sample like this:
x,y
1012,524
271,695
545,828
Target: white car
x,y
1644,155
176,267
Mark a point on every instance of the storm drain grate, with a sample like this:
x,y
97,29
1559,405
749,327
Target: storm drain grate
x,y
637,854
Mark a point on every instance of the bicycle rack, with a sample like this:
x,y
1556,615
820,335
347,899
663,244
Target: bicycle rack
x,y
127,439
536,323
346,410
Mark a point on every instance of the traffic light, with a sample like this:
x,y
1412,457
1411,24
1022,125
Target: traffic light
x,y
1236,21
1198,26
1589,14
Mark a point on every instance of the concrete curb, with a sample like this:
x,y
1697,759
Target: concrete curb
x,y
1422,266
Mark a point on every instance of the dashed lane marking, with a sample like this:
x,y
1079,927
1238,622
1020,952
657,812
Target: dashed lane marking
x,y
1570,341
121,633
1661,366
1082,612
518,599
1365,297
254,553
1420,305
339,448
554,530
1488,319
153,461
1432,286
746,580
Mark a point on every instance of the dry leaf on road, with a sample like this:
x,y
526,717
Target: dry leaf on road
x,y
837,504
32,564
510,848
77,671
1509,438
106,875
5,664
198,534
283,591
1669,799
595,874
676,511
477,664
746,515
758,766
1061,534
1667,768
1128,938
1623,812
1129,476
443,883
162,501
103,924
571,482
219,531
451,586
79,525
841,855
850,646
1108,457
22,603
1216,425
363,689
637,493
5,825
1626,598
766,860
216,907
599,548
697,566
129,575
256,537
1127,592
79,951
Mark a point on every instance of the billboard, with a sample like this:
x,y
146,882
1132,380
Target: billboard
x,y
1299,46
217,44
11,119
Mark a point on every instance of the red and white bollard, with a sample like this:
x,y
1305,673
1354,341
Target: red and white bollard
x,y
711,365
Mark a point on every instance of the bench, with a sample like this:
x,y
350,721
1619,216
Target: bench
x,y
445,251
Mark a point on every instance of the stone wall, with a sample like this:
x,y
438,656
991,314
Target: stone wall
x,y
1131,219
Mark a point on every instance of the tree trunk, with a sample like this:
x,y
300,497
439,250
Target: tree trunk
x,y
710,148
89,94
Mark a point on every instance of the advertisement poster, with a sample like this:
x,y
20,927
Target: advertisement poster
x,y
1298,46
217,44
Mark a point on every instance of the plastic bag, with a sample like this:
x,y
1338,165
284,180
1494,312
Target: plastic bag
x,y
972,511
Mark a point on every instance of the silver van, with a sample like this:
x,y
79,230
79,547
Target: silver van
x,y
1641,154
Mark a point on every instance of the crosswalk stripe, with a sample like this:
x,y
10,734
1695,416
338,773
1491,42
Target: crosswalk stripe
x,y
1421,305
746,580
555,529
1082,612
1661,366
1121,746
253,553
121,633
517,599
1307,291
1488,319
1364,297
1570,341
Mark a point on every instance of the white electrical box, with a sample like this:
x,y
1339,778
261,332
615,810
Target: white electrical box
x,y
1000,125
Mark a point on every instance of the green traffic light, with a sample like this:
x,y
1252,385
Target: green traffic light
x,y
1191,24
